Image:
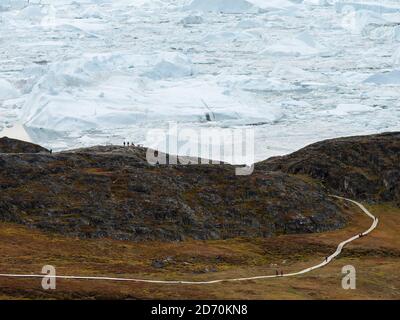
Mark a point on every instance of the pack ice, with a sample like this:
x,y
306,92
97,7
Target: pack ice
x,y
83,72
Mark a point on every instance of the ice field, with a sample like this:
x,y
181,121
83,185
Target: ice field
x,y
79,73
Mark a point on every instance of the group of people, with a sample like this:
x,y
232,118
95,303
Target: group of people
x,y
279,273
131,144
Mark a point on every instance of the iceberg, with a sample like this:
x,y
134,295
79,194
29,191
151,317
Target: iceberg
x,y
103,70
171,65
222,6
344,109
385,78
302,44
359,21
7,90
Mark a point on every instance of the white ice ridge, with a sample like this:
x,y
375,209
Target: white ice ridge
x,y
83,72
385,78
238,6
7,90
100,92
302,44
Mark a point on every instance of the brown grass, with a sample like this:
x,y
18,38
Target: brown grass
x,y
376,258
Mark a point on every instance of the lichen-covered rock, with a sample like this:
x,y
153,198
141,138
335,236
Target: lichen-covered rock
x,y
113,192
8,145
364,167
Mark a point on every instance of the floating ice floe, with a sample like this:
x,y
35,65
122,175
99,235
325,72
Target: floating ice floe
x,y
222,37
344,109
7,90
192,20
301,45
171,65
33,13
92,12
222,6
396,57
388,31
385,78
6,5
102,92
123,104
249,24
360,21
266,85
238,6
292,72
79,72
271,5
316,2
99,67
374,6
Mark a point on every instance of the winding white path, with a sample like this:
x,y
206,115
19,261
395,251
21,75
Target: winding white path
x,y
324,263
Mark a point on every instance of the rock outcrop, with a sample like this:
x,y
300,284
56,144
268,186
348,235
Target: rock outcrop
x,y
363,167
113,192
8,145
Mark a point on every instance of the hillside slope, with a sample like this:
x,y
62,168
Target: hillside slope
x,y
8,145
113,192
362,167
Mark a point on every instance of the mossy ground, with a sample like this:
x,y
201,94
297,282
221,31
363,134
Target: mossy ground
x,y
376,258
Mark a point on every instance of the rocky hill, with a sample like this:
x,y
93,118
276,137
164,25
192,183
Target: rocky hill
x,y
113,191
363,167
8,145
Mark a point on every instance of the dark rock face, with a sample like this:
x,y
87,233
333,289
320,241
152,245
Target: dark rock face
x,y
113,192
8,145
365,167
